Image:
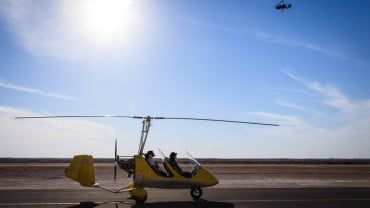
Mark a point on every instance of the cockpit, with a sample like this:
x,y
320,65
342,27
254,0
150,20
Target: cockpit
x,y
187,167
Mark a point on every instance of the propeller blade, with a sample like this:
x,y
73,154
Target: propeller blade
x,y
115,161
115,152
115,173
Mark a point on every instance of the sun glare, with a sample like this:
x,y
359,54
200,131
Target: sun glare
x,y
107,21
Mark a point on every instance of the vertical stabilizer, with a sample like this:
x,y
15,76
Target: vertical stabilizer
x,y
81,170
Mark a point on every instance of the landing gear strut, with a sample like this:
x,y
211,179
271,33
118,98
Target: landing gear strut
x,y
196,193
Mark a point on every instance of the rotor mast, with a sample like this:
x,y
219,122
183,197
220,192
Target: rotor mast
x,y
144,133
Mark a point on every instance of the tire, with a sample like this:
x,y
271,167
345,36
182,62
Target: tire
x,y
140,200
196,193
139,195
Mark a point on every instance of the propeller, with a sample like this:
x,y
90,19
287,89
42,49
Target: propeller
x,y
148,118
116,160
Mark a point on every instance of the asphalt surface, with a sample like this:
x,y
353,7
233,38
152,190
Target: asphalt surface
x,y
212,197
241,185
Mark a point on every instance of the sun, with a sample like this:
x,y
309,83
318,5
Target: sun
x,y
106,21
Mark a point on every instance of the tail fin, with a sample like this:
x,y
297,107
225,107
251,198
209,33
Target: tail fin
x,y
81,170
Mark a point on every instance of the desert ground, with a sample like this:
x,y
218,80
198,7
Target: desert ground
x,y
51,175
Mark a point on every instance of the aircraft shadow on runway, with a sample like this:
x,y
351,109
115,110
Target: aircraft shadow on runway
x,y
185,204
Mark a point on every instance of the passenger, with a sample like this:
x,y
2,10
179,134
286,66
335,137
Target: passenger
x,y
175,166
149,158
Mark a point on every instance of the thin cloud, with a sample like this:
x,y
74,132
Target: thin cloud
x,y
282,41
298,91
335,98
36,91
283,120
265,37
214,26
290,105
300,139
53,137
39,33
55,29
331,96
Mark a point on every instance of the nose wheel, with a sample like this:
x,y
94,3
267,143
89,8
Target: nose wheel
x,y
196,193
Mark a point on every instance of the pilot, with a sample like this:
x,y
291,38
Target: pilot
x,y
149,158
175,166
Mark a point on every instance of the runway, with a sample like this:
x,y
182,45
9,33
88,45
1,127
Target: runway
x,y
212,197
241,185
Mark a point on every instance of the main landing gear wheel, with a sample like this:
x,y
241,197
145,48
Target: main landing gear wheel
x,y
139,195
140,200
196,193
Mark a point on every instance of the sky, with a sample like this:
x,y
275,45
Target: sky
x,y
306,68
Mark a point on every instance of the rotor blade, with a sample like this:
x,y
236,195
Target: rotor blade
x,y
96,116
149,118
216,120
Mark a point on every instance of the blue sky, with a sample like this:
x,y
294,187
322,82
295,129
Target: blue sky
x,y
306,68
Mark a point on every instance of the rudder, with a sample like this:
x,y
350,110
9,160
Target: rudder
x,y
81,170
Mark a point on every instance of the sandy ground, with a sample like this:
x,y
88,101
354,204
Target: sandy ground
x,y
51,176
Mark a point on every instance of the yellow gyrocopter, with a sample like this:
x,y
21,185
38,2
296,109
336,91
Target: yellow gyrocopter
x,y
146,173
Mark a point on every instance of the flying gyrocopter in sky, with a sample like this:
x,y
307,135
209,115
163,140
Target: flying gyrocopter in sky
x,y
281,5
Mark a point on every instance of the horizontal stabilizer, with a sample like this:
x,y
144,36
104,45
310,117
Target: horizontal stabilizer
x,y
81,170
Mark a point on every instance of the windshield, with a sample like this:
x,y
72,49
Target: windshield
x,y
196,163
